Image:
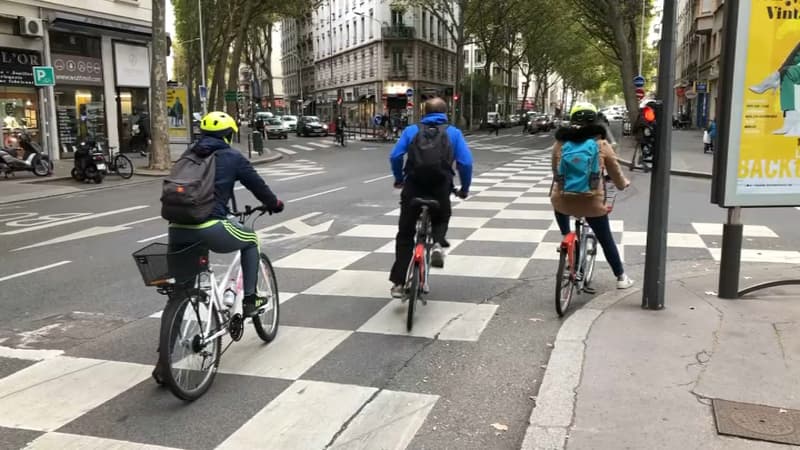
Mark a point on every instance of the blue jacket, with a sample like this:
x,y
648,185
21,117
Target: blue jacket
x,y
232,166
712,129
461,152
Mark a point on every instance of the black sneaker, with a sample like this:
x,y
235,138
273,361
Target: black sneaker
x,y
251,304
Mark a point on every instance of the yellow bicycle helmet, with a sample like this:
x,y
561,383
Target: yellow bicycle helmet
x,y
219,124
583,113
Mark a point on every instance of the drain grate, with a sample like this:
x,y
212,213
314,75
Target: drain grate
x,y
765,423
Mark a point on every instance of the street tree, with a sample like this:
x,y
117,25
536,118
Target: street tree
x,y
615,26
159,150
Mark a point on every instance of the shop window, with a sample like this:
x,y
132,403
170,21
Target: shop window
x,y
80,115
74,44
19,106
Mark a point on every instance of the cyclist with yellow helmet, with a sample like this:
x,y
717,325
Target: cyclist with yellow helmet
x,y
220,234
585,126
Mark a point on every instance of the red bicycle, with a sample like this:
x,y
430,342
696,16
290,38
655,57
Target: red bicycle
x,y
578,252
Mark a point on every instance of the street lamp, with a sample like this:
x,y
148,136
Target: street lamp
x,y
203,98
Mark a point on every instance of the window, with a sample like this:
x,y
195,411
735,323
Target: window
x,y
466,58
478,56
347,40
424,19
397,58
370,23
430,29
362,30
424,62
397,18
355,32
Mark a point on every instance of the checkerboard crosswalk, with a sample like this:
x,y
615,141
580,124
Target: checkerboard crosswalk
x,y
337,321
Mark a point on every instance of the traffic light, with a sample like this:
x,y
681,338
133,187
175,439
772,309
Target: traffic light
x,y
649,114
455,97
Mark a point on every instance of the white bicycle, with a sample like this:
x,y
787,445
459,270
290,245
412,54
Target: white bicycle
x,y
201,309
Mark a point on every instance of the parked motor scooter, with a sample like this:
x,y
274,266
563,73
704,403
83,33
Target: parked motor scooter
x,y
90,163
27,156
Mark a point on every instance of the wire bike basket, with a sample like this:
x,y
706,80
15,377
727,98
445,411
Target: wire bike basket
x,y
159,266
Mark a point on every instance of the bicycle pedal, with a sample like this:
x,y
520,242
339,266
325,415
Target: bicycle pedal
x,y
236,327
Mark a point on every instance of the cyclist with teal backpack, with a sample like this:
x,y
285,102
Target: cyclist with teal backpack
x,y
581,156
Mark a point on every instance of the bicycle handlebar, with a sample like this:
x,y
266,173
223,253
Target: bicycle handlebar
x,y
249,211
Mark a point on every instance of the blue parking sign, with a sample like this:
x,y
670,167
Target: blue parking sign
x,y
376,120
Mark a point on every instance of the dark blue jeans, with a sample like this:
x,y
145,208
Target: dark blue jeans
x,y
602,229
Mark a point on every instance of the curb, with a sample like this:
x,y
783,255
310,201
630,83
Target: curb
x,y
552,416
676,172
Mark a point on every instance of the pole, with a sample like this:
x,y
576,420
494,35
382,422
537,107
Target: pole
x,y
471,83
730,258
641,40
657,219
203,100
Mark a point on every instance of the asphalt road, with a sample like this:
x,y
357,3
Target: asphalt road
x,y
467,377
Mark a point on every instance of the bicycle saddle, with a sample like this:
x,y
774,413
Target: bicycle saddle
x,y
432,204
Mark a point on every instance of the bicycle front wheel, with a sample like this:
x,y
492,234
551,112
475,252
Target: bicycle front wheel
x,y
589,260
413,295
266,321
187,363
564,284
123,166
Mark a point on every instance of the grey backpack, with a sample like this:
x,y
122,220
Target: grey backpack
x,y
187,195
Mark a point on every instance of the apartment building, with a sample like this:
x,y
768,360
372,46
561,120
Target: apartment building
x,y
297,61
99,51
699,42
475,63
365,56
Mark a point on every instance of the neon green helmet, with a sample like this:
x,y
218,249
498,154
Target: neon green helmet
x,y
219,124
583,113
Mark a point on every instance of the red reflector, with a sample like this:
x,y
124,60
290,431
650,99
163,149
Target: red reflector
x,y
649,114
203,261
180,189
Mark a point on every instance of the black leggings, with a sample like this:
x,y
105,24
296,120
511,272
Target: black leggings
x,y
223,236
602,229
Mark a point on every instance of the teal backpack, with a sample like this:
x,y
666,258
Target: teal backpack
x,y
579,169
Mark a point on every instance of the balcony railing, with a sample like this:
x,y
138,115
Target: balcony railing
x,y
397,73
398,32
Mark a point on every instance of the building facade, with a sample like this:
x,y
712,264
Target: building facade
x,y
699,42
475,63
100,58
368,55
297,60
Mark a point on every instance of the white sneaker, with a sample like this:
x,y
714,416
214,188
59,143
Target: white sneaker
x,y
623,282
437,256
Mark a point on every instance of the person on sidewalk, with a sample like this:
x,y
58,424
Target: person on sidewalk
x,y
586,132
711,132
219,233
432,147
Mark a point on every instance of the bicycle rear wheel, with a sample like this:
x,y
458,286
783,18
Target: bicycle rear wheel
x,y
413,295
123,166
564,284
187,366
266,321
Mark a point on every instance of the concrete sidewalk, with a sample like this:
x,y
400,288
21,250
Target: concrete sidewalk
x,y
623,377
687,153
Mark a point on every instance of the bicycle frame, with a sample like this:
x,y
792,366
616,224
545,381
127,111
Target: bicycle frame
x,y
217,294
574,243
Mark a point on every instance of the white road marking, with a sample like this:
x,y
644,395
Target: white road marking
x,y
87,233
286,150
28,353
152,238
302,147
77,219
316,144
301,176
377,179
317,194
38,269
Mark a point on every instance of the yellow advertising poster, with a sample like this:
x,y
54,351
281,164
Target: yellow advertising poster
x,y
769,150
178,112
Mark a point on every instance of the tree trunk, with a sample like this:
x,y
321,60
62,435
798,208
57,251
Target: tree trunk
x,y
459,75
236,56
159,153
627,56
219,82
268,68
525,88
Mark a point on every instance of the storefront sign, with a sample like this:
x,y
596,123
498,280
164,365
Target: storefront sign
x,y
178,112
16,66
760,163
132,65
78,70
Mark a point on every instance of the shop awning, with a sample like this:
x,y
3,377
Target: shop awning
x,y
73,22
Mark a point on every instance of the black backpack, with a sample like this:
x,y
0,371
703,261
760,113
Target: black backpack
x,y
187,195
430,157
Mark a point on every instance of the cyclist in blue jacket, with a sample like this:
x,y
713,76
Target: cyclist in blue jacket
x,y
414,185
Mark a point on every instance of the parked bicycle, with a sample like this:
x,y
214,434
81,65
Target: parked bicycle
x,y
578,252
201,309
119,164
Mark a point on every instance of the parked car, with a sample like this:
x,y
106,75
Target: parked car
x,y
274,127
491,119
542,122
564,121
289,122
311,126
514,119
